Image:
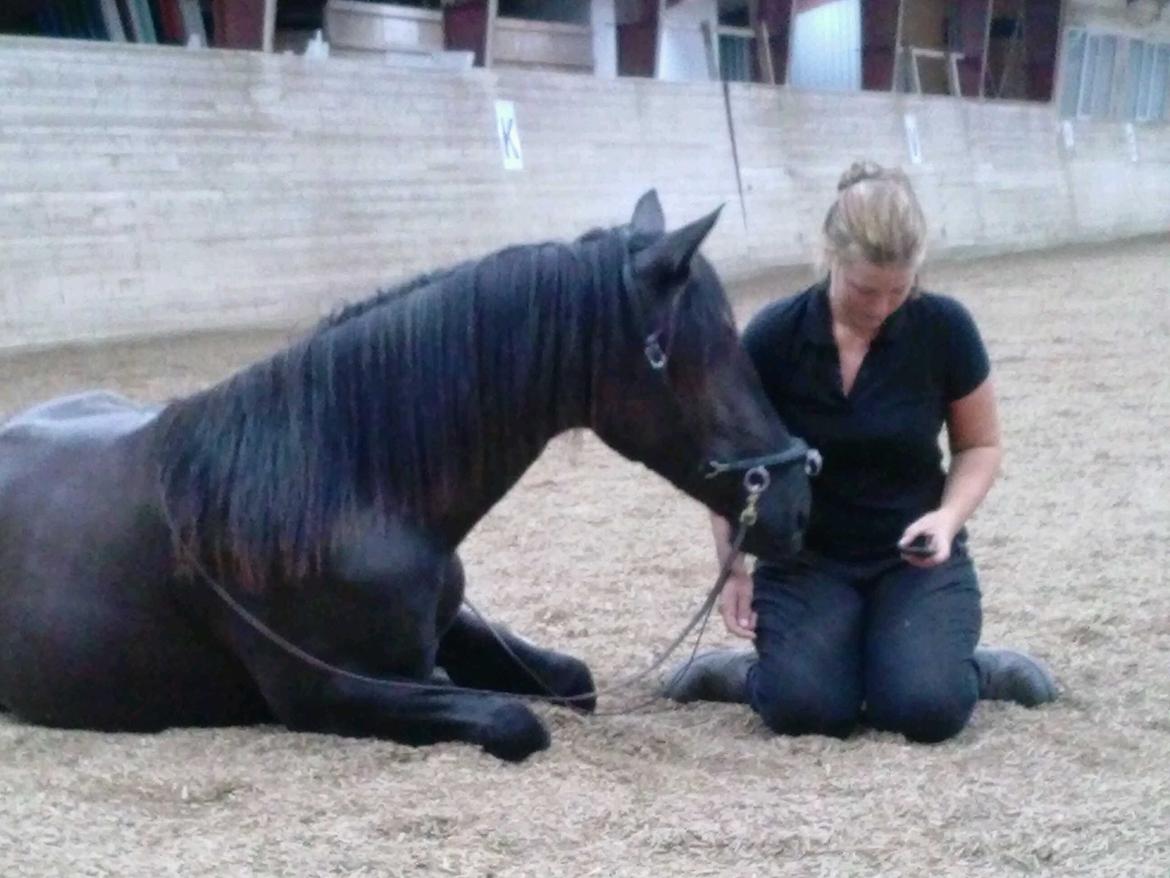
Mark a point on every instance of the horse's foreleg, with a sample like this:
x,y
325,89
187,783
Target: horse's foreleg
x,y
410,712
480,655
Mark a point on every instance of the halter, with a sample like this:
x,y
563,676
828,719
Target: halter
x,y
757,476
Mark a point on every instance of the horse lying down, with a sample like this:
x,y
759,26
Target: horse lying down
x,y
327,488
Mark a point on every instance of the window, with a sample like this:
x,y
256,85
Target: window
x,y
1138,68
1107,77
736,38
1155,108
826,45
1147,80
735,54
1097,79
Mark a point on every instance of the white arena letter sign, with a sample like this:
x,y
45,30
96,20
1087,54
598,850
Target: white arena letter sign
x,y
509,136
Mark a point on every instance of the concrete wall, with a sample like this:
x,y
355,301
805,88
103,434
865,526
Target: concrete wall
x,y
154,190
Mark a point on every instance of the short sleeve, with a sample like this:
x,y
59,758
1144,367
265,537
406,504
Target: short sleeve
x,y
766,340
965,356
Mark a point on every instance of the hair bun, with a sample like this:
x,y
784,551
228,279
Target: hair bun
x,y
858,172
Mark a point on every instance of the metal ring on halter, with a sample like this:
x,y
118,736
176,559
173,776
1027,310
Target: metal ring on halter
x,y
813,462
655,355
756,480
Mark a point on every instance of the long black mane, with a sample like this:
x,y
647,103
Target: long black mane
x,y
443,387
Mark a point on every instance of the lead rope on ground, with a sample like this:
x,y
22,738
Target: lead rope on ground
x,y
700,617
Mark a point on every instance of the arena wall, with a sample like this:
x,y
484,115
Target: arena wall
x,y
148,190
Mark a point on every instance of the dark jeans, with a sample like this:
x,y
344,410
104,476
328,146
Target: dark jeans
x,y
878,642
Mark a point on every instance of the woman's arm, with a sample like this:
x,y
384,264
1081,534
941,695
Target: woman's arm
x,y
735,601
973,435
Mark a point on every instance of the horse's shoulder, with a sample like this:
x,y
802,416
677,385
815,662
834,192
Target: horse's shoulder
x,y
92,416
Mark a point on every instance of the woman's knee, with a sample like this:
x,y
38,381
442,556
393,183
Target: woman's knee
x,y
792,708
924,713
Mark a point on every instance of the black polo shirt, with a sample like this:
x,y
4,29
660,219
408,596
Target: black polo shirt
x,y
880,444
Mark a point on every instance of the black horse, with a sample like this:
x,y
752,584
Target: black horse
x,y
328,487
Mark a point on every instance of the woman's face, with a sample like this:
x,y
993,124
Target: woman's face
x,y
863,295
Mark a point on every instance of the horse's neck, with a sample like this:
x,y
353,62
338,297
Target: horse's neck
x,y
426,410
535,373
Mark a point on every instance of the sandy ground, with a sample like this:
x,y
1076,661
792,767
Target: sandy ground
x,y
594,556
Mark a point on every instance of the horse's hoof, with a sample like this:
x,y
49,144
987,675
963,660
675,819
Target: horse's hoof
x,y
1009,675
513,733
715,675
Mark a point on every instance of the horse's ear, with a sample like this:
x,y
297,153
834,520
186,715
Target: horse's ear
x,y
668,260
648,218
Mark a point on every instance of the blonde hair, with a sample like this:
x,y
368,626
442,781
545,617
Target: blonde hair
x,y
876,218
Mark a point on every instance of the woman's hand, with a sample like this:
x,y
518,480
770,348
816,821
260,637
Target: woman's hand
x,y
940,527
735,604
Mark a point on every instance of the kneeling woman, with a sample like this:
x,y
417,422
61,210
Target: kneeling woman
x,y
878,619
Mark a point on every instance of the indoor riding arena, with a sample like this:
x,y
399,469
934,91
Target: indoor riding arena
x,y
172,213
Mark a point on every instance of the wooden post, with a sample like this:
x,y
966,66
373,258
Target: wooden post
x,y
986,50
791,30
659,35
764,53
493,11
956,87
709,51
915,77
897,47
269,33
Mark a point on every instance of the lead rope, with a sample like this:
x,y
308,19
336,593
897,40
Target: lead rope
x,y
755,487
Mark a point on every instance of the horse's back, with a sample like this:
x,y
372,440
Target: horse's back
x,y
96,416
74,478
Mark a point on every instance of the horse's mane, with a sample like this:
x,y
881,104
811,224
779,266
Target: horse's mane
x,y
349,310
401,404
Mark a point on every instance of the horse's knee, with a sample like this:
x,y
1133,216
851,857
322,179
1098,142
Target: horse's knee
x,y
572,681
803,709
513,732
926,715
565,678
